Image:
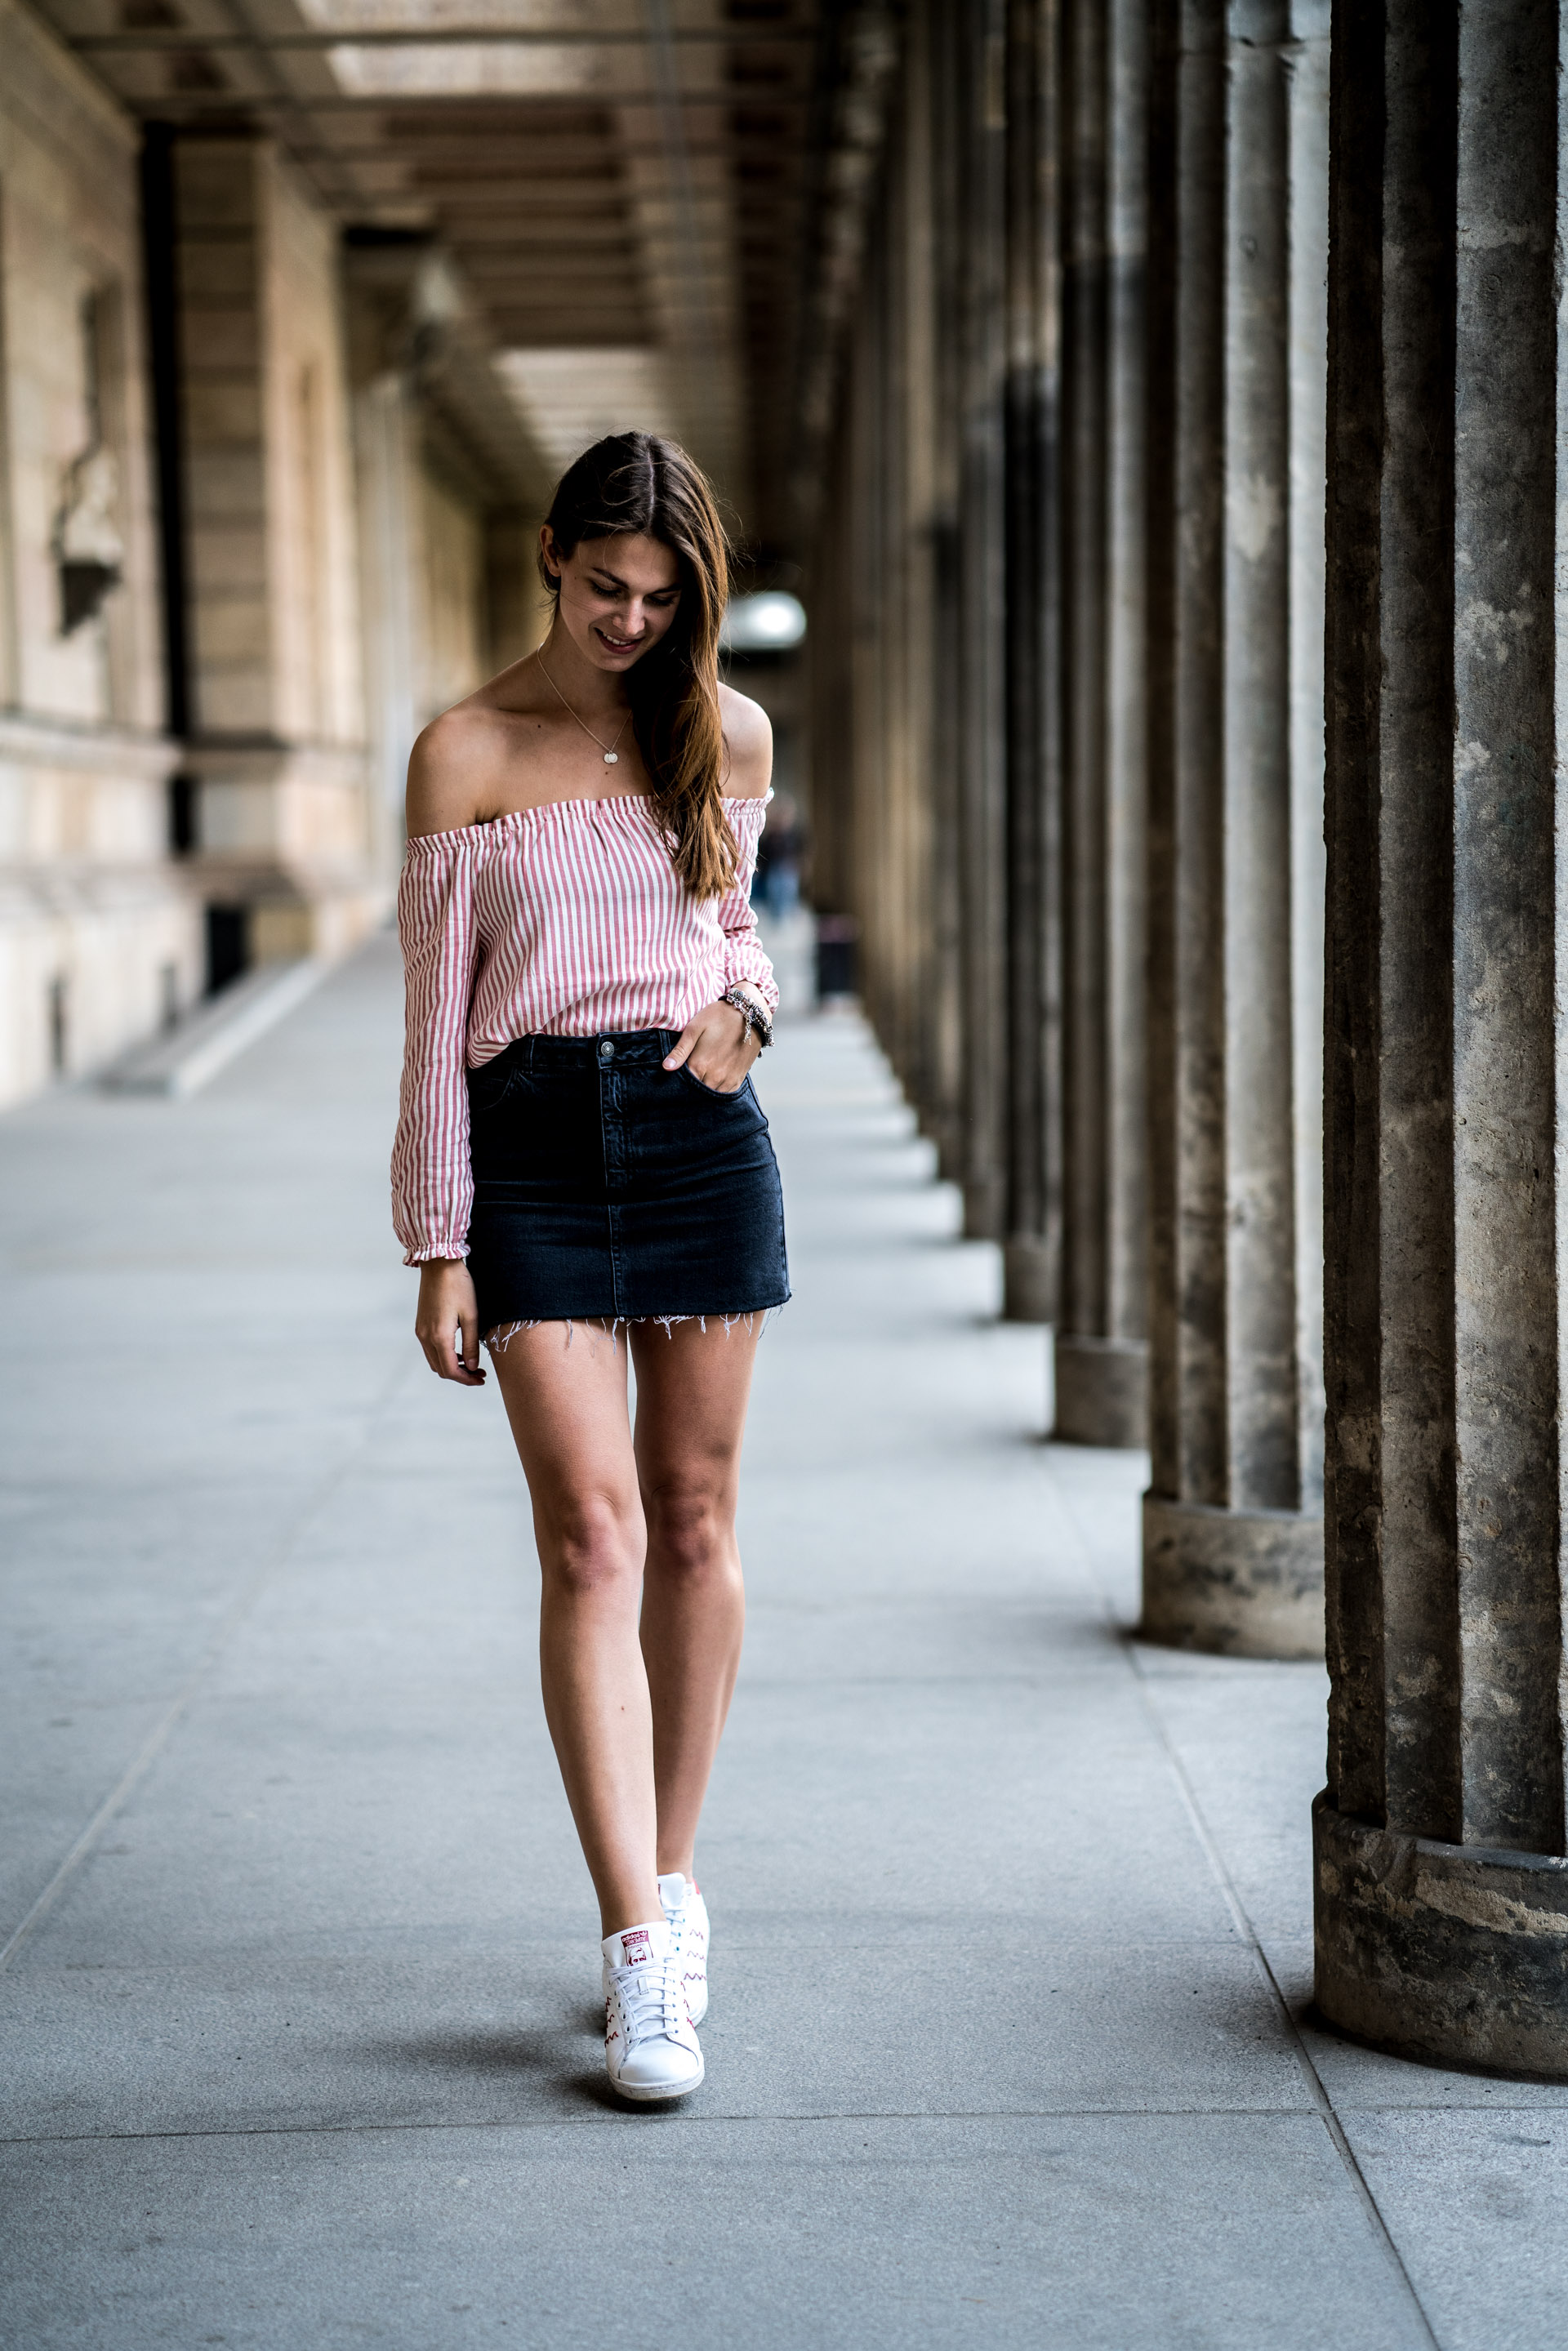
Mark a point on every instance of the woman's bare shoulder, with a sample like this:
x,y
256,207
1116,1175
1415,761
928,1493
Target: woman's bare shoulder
x,y
450,767
749,735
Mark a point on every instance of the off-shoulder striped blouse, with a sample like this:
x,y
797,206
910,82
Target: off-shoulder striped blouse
x,y
560,920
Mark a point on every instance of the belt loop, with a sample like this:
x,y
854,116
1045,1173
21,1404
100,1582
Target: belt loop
x,y
528,1054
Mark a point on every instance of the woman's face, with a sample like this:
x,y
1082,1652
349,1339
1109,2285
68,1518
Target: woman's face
x,y
618,596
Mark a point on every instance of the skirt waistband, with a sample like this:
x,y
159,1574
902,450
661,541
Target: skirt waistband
x,y
638,1046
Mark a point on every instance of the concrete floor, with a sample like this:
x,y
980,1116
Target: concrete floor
x,y
1011,1917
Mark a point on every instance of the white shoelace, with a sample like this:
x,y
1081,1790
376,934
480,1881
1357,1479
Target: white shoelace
x,y
651,1997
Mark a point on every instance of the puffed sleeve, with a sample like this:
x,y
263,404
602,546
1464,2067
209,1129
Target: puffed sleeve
x,y
431,1180
744,957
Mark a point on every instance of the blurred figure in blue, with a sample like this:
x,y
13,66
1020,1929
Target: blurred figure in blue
x,y
776,884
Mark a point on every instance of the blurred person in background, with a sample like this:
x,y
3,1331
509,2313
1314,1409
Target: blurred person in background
x,y
780,855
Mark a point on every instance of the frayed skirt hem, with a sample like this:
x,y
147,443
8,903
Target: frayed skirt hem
x,y
610,1326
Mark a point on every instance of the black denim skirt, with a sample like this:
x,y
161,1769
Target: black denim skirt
x,y
607,1187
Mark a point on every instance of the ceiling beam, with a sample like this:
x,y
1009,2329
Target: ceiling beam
x,y
504,224
153,38
481,269
175,105
493,165
529,330
640,212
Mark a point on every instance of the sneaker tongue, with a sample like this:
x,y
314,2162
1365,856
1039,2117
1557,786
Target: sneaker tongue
x,y
672,1891
635,1946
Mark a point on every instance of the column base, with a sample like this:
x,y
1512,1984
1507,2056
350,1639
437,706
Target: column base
x,y
1454,1954
1101,1390
1027,1284
1239,1583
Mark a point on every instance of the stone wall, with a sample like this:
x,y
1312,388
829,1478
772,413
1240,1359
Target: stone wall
x,y
518,610
238,569
99,941
450,493
457,642
277,703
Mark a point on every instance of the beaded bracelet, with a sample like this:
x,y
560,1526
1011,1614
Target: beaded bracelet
x,y
754,1015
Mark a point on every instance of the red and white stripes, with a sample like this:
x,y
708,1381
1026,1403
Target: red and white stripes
x,y
561,921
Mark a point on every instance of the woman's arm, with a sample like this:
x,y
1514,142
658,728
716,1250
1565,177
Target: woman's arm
x,y
432,1183
718,1043
431,1178
750,738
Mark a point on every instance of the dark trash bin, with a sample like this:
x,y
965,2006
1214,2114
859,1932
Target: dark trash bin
x,y
838,943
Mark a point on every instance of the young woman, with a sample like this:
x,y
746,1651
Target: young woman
x,y
582,1170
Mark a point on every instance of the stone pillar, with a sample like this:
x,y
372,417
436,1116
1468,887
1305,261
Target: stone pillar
x,y
907,266
982,683
1441,1876
276,714
936,42
1031,1259
918,716
1101,1348
518,610
1232,1525
386,453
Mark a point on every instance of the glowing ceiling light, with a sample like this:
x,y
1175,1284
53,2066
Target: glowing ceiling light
x,y
769,622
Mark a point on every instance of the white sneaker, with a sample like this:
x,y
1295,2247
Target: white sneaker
x,y
650,2043
687,1914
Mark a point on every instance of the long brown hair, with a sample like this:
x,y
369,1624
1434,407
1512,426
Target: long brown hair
x,y
638,484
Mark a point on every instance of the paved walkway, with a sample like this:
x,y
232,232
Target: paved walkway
x,y
300,2016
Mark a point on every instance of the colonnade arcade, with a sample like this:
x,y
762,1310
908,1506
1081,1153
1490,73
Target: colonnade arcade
x,y
1203,408
1159,404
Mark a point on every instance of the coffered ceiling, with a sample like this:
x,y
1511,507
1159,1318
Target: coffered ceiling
x,y
627,194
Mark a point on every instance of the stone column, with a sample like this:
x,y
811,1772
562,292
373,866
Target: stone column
x,y
937,42
385,450
918,725
982,677
1233,1531
1031,1259
1441,1876
1100,1349
276,697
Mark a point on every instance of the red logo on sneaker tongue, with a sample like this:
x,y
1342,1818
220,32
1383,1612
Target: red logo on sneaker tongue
x,y
635,1948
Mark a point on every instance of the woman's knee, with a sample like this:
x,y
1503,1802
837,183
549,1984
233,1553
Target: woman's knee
x,y
691,1529
591,1546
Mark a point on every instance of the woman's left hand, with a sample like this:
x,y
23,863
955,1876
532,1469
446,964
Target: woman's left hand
x,y
718,1046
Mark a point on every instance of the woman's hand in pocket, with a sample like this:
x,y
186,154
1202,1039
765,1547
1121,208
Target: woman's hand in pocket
x,y
448,1322
718,1047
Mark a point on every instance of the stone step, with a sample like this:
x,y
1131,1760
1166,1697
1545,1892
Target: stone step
x,y
186,1058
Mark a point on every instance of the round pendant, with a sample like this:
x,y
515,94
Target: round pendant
x,y
611,759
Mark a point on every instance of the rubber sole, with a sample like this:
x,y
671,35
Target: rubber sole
x,y
638,2098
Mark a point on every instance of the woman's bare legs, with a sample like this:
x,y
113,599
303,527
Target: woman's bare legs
x,y
692,1391
635,1767
566,1404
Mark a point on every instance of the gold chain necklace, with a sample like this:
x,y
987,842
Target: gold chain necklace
x,y
612,756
